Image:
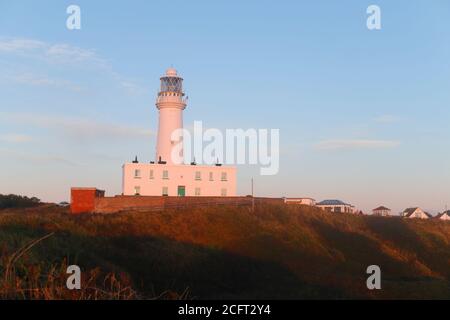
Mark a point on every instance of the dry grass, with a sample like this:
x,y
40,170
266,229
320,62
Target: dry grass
x,y
28,281
224,252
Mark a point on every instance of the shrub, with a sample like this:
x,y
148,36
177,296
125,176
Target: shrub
x,y
16,201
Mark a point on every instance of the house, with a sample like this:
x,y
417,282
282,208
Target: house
x,y
381,211
336,206
153,179
415,213
444,215
304,201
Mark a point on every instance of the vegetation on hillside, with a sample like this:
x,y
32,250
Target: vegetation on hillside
x,y
278,251
15,201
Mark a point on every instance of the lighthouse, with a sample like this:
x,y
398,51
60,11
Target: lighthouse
x,y
170,103
169,175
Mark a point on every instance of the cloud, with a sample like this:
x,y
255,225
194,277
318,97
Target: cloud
x,y
65,54
354,144
20,45
15,138
38,159
131,87
42,80
386,118
52,53
78,128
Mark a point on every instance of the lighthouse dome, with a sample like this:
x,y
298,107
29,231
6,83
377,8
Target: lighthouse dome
x,y
171,72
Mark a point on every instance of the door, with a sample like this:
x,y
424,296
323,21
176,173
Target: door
x,y
181,191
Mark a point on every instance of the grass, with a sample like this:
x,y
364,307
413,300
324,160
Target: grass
x,y
280,252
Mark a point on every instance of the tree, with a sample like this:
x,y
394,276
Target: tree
x,y
16,201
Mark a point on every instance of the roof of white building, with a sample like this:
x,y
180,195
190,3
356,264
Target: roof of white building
x,y
443,213
409,211
333,202
381,208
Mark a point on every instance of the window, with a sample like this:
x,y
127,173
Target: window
x,y
165,174
151,174
197,191
223,192
211,176
198,175
165,191
137,173
137,190
337,209
224,176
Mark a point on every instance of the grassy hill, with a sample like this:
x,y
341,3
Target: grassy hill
x,y
281,252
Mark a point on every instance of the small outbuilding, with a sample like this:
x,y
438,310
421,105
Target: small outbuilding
x,y
303,201
336,206
381,211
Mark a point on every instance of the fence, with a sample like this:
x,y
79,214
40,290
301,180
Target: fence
x,y
139,203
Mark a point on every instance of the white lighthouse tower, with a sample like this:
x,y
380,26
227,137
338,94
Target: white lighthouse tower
x,y
169,175
170,103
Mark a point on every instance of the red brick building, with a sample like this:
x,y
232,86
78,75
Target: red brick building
x,y
82,200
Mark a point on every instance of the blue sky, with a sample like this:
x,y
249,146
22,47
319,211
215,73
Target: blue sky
x,y
363,115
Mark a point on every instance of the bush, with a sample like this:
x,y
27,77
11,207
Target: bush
x,y
15,201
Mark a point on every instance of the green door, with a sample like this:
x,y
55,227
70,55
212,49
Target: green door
x,y
181,191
